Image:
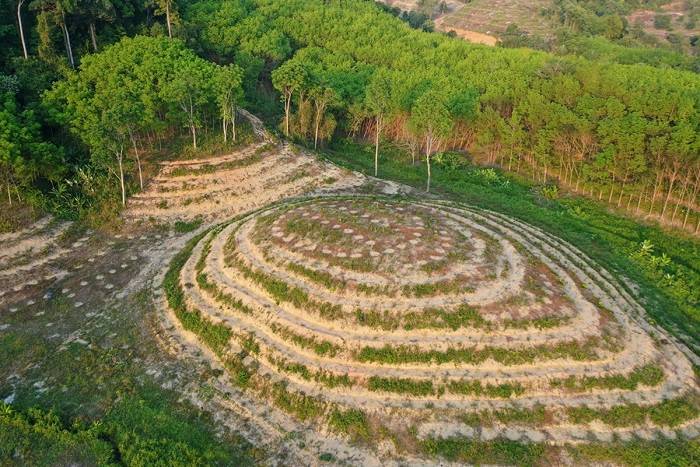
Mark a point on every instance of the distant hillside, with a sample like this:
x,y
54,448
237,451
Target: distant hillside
x,y
656,32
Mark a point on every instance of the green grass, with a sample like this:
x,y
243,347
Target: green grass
x,y
648,375
351,422
678,453
669,413
478,452
403,354
401,386
476,388
187,226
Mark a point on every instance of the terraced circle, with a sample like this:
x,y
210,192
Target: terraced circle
x,y
450,319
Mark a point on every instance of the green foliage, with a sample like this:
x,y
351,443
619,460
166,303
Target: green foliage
x,y
215,336
40,438
649,375
186,227
351,422
669,413
479,452
300,405
407,354
642,453
475,388
401,386
135,431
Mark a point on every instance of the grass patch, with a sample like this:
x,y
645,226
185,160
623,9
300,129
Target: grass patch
x,y
401,386
187,226
668,413
467,450
352,423
648,375
408,354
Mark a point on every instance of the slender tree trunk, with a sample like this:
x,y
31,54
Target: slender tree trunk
x,y
167,19
692,197
657,184
9,194
287,109
680,200
66,37
233,122
428,149
121,177
138,159
224,124
670,190
21,29
93,36
319,112
193,130
378,131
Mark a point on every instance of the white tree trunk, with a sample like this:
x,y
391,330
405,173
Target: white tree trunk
x,y
21,28
167,19
428,149
287,106
93,36
224,124
233,122
376,146
138,159
121,177
66,36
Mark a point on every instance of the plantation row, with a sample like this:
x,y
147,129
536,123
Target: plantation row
x,y
297,343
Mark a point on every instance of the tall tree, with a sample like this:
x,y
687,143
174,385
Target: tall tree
x,y
379,104
229,94
290,78
431,119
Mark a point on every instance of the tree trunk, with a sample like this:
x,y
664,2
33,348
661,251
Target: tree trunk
x,y
9,194
692,197
21,29
224,124
657,184
376,146
121,177
66,37
670,190
428,149
167,19
193,130
287,107
93,36
680,200
138,159
233,122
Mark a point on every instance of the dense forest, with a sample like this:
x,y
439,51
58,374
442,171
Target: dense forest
x,y
74,123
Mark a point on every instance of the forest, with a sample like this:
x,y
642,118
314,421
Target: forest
x,y
82,99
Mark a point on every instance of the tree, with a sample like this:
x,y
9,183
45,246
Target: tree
x,y
166,7
290,78
379,105
229,94
323,98
23,155
431,119
188,89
